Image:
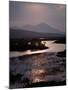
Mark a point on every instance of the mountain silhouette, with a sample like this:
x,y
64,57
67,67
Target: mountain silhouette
x,y
41,30
42,27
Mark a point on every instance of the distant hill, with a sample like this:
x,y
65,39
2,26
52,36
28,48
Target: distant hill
x,y
41,30
42,27
18,33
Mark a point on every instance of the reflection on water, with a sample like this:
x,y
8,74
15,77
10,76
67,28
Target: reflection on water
x,y
38,67
36,75
52,47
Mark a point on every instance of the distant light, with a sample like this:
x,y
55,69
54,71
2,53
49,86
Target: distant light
x,y
43,42
29,43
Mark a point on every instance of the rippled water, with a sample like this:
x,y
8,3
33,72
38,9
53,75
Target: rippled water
x,y
44,66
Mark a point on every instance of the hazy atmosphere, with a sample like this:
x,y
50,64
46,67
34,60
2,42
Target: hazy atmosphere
x,y
24,14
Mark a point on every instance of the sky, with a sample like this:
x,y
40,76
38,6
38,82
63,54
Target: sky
x,y
22,13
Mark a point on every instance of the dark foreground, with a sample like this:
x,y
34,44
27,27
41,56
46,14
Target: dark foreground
x,y
42,84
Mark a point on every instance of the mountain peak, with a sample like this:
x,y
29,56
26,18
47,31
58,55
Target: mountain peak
x,y
42,24
42,27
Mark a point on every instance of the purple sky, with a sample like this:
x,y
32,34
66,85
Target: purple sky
x,y
21,13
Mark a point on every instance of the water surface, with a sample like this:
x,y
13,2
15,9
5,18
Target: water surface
x,y
39,65
52,47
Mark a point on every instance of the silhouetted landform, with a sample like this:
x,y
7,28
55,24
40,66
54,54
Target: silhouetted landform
x,y
41,30
61,54
61,40
41,27
26,44
26,34
44,84
31,44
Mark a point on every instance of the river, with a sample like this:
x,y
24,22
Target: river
x,y
39,65
52,47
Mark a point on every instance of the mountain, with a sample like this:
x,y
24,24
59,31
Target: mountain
x,y
42,27
18,33
41,30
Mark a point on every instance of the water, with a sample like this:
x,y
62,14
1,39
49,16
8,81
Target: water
x,y
40,65
52,47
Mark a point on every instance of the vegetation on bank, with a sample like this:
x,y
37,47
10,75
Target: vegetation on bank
x,y
31,44
26,44
61,40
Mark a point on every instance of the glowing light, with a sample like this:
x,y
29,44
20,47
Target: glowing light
x,y
36,80
29,43
42,42
35,7
36,75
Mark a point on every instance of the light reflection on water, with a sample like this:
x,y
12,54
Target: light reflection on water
x,y
36,75
52,47
41,66
37,70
